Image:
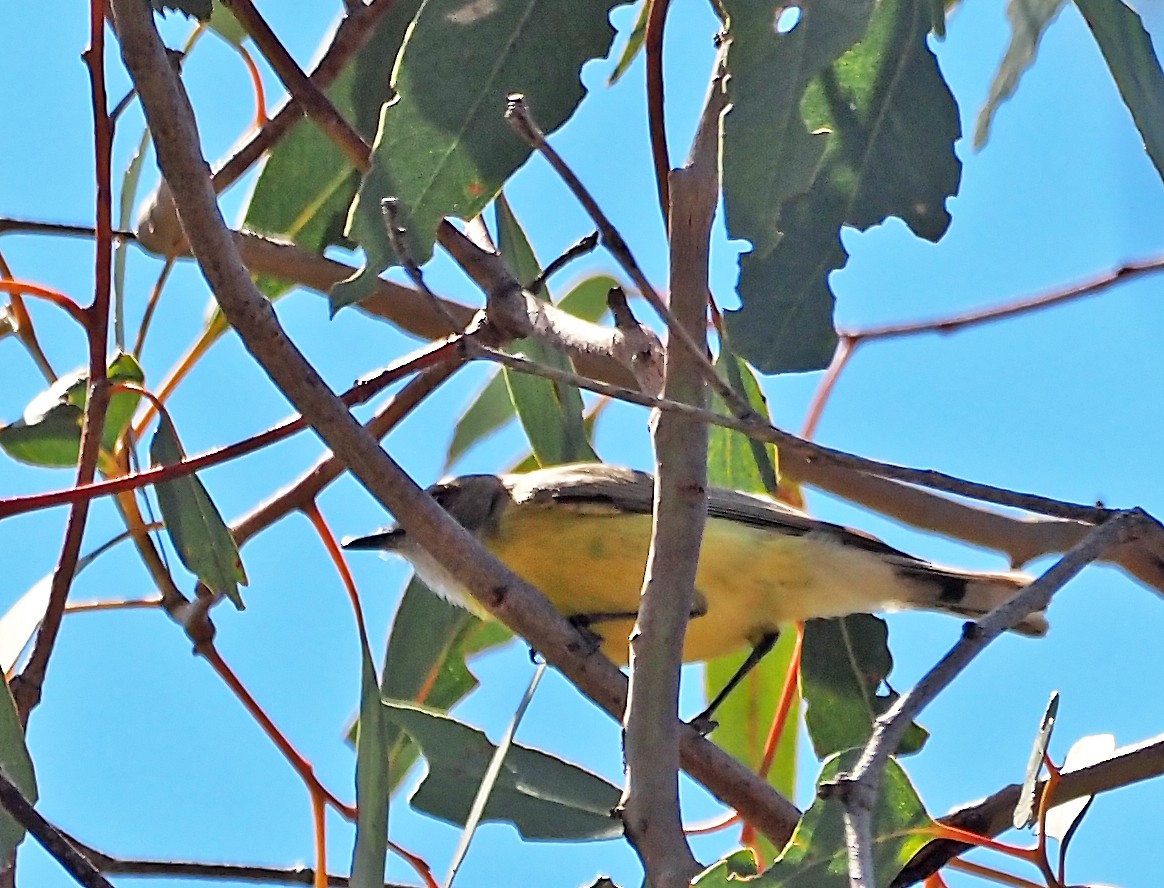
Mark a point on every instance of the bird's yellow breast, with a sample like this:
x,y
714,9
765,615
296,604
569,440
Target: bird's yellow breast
x,y
749,579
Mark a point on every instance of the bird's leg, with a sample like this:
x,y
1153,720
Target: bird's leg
x,y
703,722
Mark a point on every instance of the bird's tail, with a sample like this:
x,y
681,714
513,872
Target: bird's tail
x,y
970,594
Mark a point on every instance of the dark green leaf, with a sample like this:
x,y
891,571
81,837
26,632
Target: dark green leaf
x,y
745,717
223,23
49,433
430,641
730,872
542,796
817,855
198,9
883,128
1029,20
1128,50
201,538
843,664
307,184
734,460
373,786
443,147
634,43
550,412
17,763
1025,811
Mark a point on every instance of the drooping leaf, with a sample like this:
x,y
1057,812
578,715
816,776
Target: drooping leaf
x,y
17,763
307,183
201,538
373,786
734,460
1025,810
817,855
883,125
542,796
745,717
443,147
425,662
550,412
49,432
1029,20
1127,49
843,665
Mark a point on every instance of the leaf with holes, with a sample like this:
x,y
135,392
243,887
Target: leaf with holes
x,y
542,796
843,664
871,135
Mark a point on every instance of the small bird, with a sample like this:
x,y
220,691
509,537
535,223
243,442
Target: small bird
x,y
580,533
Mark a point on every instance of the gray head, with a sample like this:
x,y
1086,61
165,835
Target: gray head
x,y
476,501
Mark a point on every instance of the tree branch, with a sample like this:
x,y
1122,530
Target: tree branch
x,y
504,594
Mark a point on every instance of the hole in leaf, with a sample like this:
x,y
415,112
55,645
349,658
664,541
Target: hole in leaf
x,y
787,17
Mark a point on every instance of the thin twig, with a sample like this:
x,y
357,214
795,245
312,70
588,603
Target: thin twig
x,y
519,117
310,97
51,839
993,815
26,688
656,105
584,245
351,35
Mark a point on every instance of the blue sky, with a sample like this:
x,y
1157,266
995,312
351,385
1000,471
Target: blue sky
x,y
141,751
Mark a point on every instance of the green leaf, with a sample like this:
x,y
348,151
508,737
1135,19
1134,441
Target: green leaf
x,y
1029,20
768,153
307,184
197,9
223,23
550,412
817,855
1127,49
425,661
634,43
542,796
49,432
17,764
745,717
201,538
443,147
734,460
492,408
843,664
373,786
883,128
730,872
